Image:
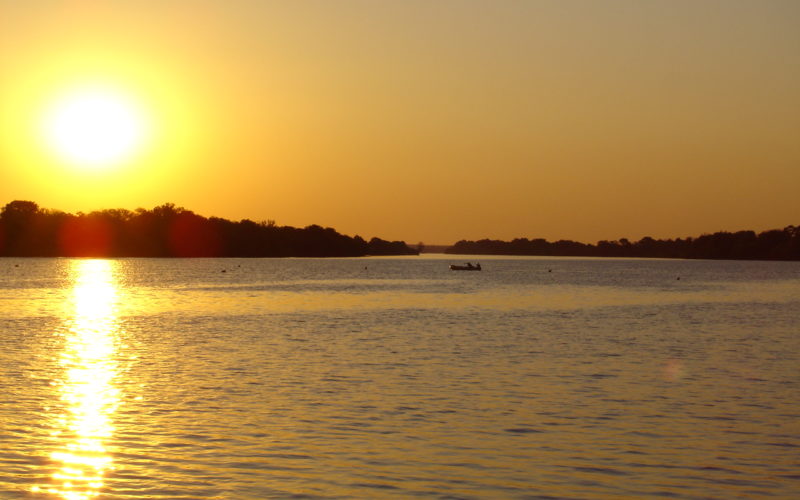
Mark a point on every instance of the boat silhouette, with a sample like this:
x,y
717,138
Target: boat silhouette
x,y
468,267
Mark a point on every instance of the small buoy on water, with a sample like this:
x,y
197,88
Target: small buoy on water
x,y
549,270
223,271
678,278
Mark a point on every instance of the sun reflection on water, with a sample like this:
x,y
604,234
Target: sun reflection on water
x,y
87,386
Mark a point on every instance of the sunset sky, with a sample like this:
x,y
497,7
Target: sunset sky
x,y
424,121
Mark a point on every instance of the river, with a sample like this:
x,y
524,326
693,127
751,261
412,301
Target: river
x,y
398,378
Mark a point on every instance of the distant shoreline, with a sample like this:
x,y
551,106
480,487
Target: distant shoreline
x,y
26,230
774,244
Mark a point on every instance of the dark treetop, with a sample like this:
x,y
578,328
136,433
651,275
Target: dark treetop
x,y
775,244
169,231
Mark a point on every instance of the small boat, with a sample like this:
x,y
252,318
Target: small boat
x,y
468,267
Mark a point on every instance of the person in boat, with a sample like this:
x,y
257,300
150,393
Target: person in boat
x,y
469,265
478,266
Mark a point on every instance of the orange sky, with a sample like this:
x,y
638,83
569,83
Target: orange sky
x,y
424,121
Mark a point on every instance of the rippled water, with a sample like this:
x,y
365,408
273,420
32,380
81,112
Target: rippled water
x,y
331,378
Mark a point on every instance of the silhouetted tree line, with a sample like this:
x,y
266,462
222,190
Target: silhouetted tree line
x,y
170,231
775,244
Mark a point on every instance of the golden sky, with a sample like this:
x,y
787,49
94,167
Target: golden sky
x,y
419,120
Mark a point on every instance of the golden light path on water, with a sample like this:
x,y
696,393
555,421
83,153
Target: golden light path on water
x,y
87,386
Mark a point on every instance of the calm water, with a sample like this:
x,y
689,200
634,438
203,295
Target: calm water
x,y
373,378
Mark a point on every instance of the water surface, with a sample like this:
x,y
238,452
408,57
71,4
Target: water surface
x,y
395,377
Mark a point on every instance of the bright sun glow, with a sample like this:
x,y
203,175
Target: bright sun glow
x,y
95,128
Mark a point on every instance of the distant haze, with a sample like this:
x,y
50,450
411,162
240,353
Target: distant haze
x,y
425,121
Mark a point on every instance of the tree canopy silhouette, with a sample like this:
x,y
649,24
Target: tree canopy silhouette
x,y
169,231
775,244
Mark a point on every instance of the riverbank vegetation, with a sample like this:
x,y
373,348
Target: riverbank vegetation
x,y
169,231
775,244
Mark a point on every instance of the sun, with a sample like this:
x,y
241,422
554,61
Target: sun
x,y
95,127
